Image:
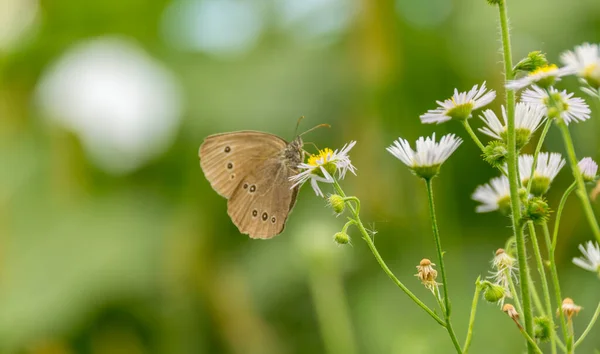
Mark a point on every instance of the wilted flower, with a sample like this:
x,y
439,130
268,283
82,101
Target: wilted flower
x,y
558,104
460,105
511,312
323,166
569,308
425,162
427,274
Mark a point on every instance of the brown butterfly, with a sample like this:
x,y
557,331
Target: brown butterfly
x,y
252,170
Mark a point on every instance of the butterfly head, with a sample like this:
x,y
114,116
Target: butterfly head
x,y
293,153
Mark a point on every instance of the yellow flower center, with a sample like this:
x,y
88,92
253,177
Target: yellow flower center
x,y
544,69
321,158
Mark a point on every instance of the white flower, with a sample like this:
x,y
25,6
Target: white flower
x,y
528,119
591,257
584,62
493,196
429,155
588,169
571,109
543,76
460,105
323,166
548,166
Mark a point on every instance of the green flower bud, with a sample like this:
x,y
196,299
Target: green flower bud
x,y
495,153
532,62
341,238
536,210
337,203
494,2
542,329
492,292
539,185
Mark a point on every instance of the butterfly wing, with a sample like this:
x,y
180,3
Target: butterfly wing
x,y
261,203
227,158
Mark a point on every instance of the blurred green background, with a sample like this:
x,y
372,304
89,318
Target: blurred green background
x,y
112,241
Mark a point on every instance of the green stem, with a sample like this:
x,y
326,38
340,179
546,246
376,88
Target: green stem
x,y
469,130
513,172
532,345
537,302
472,317
438,244
589,326
555,282
513,291
545,288
581,191
538,148
386,269
561,206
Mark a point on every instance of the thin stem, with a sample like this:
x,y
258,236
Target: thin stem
x,y
589,326
537,302
581,191
469,130
472,317
538,148
386,269
561,206
532,344
438,244
555,282
512,173
513,291
545,289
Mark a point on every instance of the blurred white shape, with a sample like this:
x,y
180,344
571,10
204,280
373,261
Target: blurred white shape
x,y
313,19
17,18
424,14
123,104
218,27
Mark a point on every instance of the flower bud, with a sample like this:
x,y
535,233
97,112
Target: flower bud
x,y
536,210
493,292
532,62
341,238
337,203
494,2
542,329
495,153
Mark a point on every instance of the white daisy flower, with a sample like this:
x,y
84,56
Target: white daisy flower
x,y
528,118
493,196
426,160
544,76
547,167
588,169
570,109
584,62
323,166
591,257
460,105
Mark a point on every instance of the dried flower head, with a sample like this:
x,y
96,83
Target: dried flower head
x,y
511,312
569,308
427,274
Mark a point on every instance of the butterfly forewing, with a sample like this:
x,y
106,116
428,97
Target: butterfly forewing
x,y
263,200
227,158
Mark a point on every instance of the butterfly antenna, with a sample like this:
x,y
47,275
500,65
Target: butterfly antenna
x,y
316,127
311,143
297,125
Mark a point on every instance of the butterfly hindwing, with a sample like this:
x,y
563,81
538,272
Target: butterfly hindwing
x,y
263,200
